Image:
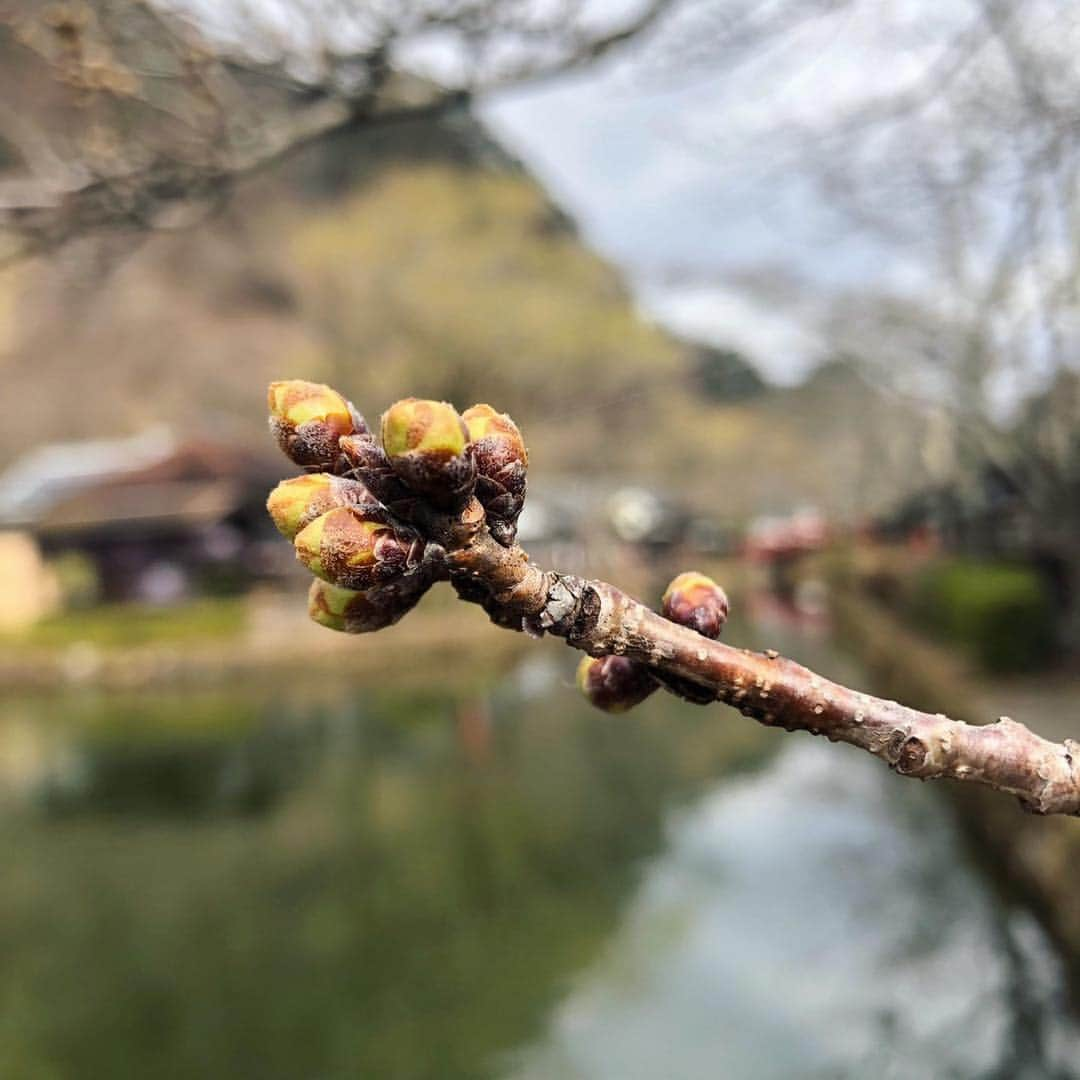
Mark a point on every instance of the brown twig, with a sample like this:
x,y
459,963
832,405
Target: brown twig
x,y
600,619
407,511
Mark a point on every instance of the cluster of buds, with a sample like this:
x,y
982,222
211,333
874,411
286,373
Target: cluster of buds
x,y
616,684
379,517
352,517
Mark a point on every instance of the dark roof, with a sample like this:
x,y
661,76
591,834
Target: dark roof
x,y
171,503
62,489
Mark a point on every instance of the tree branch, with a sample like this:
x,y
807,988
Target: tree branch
x,y
125,143
381,518
602,620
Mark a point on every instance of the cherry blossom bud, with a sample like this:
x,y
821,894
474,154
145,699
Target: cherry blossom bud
x,y
358,549
696,601
295,503
307,420
363,612
501,464
426,444
614,683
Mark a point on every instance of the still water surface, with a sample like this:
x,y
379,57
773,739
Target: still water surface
x,y
488,879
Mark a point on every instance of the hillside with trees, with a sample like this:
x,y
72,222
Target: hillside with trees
x,y
421,259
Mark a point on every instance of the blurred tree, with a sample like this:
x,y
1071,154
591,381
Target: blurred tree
x,y
725,374
143,116
456,282
978,164
961,159
965,154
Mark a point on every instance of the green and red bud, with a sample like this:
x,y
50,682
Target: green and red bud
x,y
501,465
308,419
426,443
614,683
696,601
358,549
295,503
363,612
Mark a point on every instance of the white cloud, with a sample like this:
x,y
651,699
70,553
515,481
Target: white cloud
x,y
781,343
701,170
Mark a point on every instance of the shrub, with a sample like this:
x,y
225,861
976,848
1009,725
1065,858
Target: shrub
x,y
1002,612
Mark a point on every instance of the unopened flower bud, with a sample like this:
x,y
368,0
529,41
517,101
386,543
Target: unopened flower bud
x,y
696,601
363,612
295,503
307,420
358,549
614,683
501,465
426,444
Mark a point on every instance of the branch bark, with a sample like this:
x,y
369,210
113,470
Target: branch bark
x,y
600,619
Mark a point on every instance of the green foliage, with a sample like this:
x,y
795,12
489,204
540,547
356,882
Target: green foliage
x,y
352,881
405,263
77,577
450,286
124,625
1003,613
725,375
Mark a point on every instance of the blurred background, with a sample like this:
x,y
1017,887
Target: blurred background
x,y
785,291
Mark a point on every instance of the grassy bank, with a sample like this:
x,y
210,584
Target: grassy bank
x,y
114,626
216,643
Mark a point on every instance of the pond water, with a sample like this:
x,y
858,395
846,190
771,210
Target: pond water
x,y
488,879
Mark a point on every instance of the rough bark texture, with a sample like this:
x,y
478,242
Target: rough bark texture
x,y
599,619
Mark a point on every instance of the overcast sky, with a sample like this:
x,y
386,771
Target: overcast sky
x,y
684,177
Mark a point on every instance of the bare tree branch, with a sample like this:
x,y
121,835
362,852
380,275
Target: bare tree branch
x,y
413,490
142,113
601,620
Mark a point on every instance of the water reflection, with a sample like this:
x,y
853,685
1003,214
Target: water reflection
x,y
160,755
333,880
800,925
459,879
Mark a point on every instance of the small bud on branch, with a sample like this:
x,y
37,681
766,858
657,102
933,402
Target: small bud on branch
x,y
501,465
426,445
297,502
411,520
352,611
358,549
694,600
308,419
614,684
